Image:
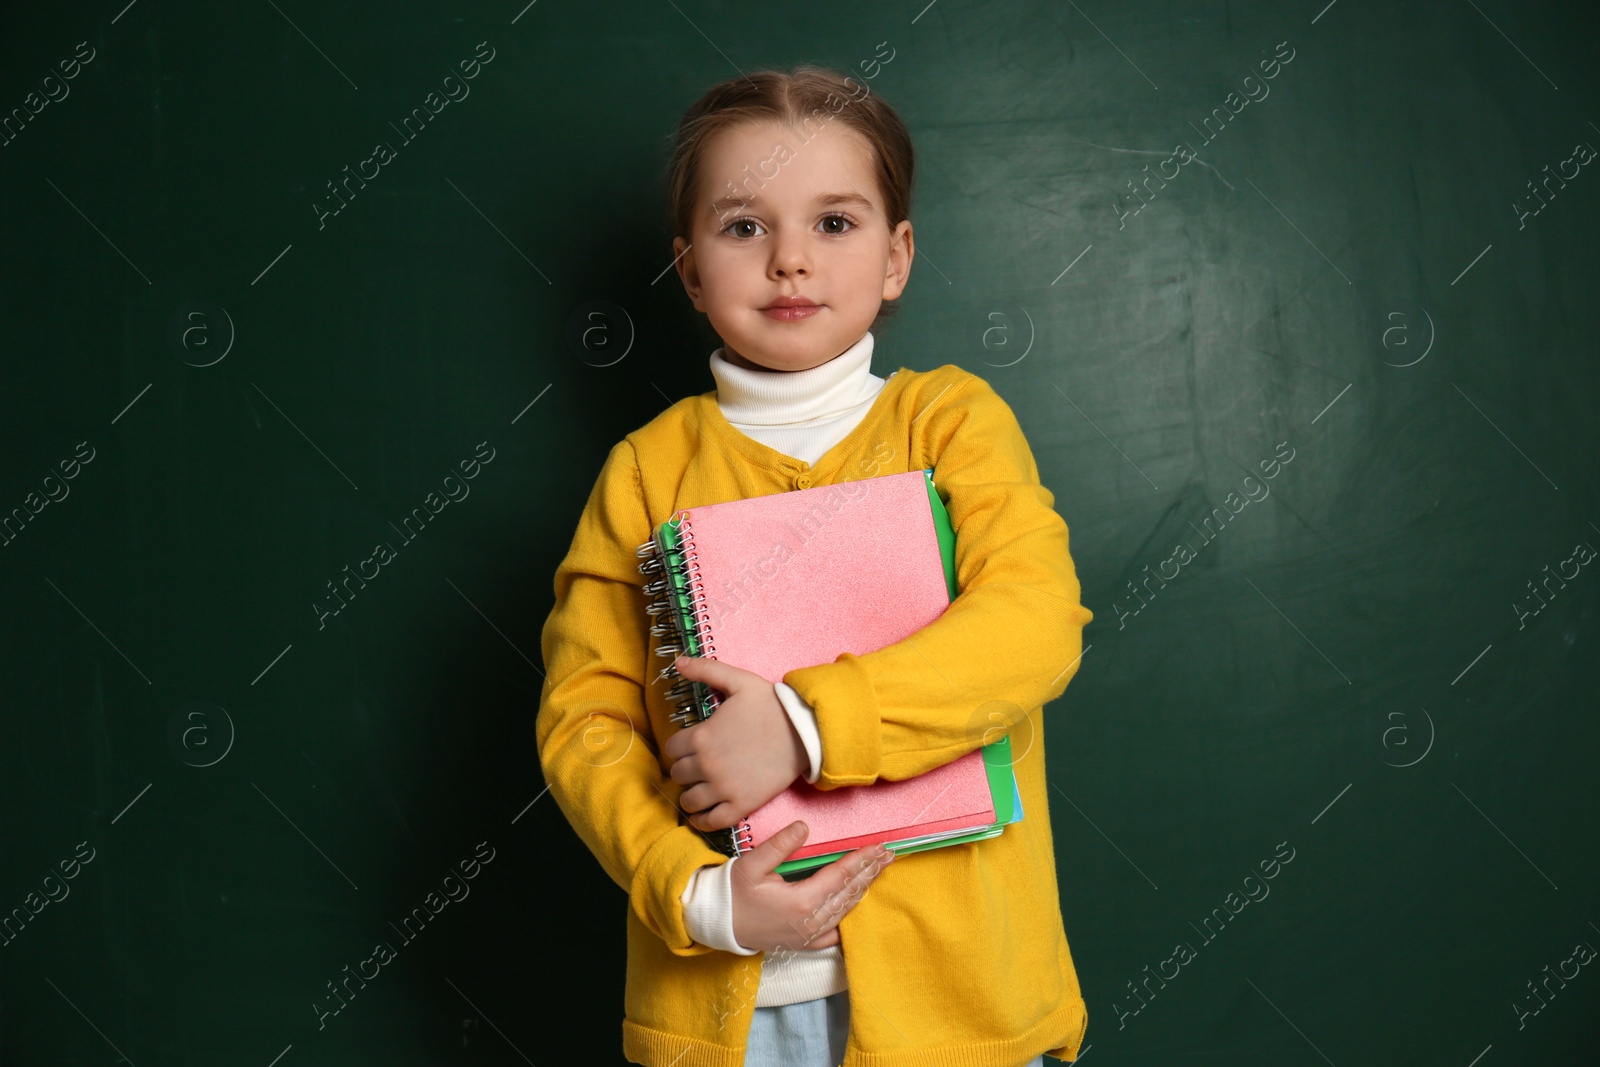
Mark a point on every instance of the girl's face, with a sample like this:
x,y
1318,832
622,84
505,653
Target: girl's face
x,y
776,217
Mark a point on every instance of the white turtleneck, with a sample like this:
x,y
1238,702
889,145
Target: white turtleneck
x,y
801,414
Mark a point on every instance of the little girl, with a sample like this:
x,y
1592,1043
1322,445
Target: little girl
x,y
791,196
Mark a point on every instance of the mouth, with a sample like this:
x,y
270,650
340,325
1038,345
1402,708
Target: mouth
x,y
791,308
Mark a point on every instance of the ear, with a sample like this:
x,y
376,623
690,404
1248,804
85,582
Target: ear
x,y
688,272
902,249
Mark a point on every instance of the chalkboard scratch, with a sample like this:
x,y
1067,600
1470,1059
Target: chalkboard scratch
x,y
1147,152
1215,171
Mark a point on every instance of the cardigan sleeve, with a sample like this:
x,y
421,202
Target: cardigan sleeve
x,y
596,747
1009,642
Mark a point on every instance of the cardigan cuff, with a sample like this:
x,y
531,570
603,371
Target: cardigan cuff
x,y
848,719
659,883
708,908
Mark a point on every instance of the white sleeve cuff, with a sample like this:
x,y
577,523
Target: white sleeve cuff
x,y
708,908
804,720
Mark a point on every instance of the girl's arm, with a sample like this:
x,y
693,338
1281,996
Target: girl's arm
x,y
1007,644
596,747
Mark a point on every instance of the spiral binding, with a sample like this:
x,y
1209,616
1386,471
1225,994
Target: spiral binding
x,y
675,590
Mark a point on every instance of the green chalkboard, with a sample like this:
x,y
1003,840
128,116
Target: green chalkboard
x,y
319,321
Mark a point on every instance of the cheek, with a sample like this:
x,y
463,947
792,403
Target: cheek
x,y
865,269
723,273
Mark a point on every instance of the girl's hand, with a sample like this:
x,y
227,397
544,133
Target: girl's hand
x,y
771,914
741,757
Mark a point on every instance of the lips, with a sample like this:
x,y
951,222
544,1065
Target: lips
x,y
791,312
791,308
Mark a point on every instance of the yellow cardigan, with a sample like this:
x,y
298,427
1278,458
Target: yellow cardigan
x,y
956,956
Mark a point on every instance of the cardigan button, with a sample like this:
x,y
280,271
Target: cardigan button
x,y
803,482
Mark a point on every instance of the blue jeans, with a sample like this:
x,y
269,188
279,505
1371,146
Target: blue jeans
x,y
808,1034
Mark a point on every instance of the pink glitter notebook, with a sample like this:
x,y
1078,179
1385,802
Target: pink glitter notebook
x,y
792,579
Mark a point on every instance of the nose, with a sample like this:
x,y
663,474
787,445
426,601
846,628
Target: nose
x,y
788,257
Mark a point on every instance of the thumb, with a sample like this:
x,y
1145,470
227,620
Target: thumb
x,y
765,857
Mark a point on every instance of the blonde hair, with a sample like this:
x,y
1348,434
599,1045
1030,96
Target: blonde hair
x,y
793,97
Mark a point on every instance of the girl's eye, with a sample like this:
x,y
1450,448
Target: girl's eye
x,y
847,220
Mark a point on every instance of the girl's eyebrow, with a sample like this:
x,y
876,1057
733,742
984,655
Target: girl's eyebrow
x,y
728,203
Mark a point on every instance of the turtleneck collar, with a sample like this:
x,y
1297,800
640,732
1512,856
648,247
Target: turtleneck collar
x,y
796,398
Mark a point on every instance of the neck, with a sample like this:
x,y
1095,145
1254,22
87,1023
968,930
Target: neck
x,y
751,395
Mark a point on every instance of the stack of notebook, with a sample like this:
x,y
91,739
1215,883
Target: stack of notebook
x,y
789,580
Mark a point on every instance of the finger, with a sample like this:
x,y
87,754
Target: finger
x,y
765,857
824,917
802,938
675,747
850,874
860,866
697,799
824,940
686,770
719,817
868,876
715,673
837,890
